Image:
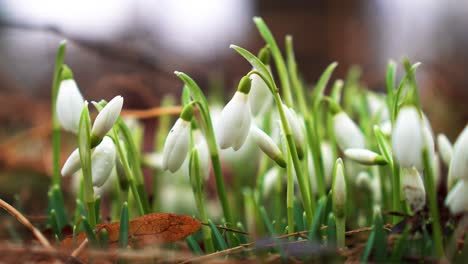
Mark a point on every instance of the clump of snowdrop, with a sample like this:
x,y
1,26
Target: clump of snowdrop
x,y
234,125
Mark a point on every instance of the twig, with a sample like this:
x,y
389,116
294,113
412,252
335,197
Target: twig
x,y
80,249
23,220
228,229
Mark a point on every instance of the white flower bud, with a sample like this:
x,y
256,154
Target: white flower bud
x,y
407,138
339,190
296,129
107,117
328,160
347,133
365,156
267,145
413,188
153,160
377,106
72,164
69,105
260,96
176,146
102,161
457,199
459,162
445,149
234,124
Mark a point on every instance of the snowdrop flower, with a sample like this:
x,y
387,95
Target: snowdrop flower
x,y
377,106
269,180
459,163
69,103
407,138
267,145
235,119
106,118
103,161
413,188
445,148
177,142
365,156
339,190
296,129
203,155
347,133
457,199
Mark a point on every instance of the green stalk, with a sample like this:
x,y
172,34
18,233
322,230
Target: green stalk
x,y
396,197
290,195
433,206
55,123
207,125
340,231
263,72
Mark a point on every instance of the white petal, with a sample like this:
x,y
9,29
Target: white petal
x,y
69,105
295,126
107,117
407,138
269,180
457,199
72,164
459,164
234,124
328,161
267,145
102,161
260,96
347,133
176,146
413,188
363,156
445,148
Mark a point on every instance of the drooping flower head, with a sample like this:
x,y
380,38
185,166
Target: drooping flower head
x,y
235,119
69,103
106,118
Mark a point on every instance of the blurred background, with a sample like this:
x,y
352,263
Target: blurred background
x,y
132,48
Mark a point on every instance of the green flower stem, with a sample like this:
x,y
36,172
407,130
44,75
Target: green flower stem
x,y
55,123
290,195
128,172
433,206
396,197
207,125
263,72
279,61
340,231
197,185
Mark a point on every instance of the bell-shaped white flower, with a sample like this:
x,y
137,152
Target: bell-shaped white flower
x,y
267,145
459,162
69,104
457,199
260,96
107,117
72,164
445,149
339,189
177,145
103,161
413,188
296,129
365,156
234,124
347,133
407,138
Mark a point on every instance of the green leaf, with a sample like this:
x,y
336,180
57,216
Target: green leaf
x,y
331,230
219,238
123,230
384,145
103,238
368,249
279,61
314,230
401,245
193,244
89,231
185,98
321,85
380,238
390,83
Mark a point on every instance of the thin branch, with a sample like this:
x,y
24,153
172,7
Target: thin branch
x,y
23,220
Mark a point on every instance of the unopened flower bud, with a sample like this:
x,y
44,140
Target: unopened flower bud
x,y
267,145
365,156
347,133
69,105
445,149
339,189
176,145
72,164
413,188
459,162
296,130
457,199
106,118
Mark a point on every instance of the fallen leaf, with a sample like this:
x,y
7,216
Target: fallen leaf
x,y
150,228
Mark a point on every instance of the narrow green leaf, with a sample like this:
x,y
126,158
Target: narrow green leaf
x,y
54,223
123,230
193,245
321,85
104,238
390,84
185,98
219,238
272,232
298,213
59,206
331,230
89,231
97,209
401,245
368,249
337,90
384,145
314,229
380,238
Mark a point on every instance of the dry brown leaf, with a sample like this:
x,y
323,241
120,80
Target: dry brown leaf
x,y
150,228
